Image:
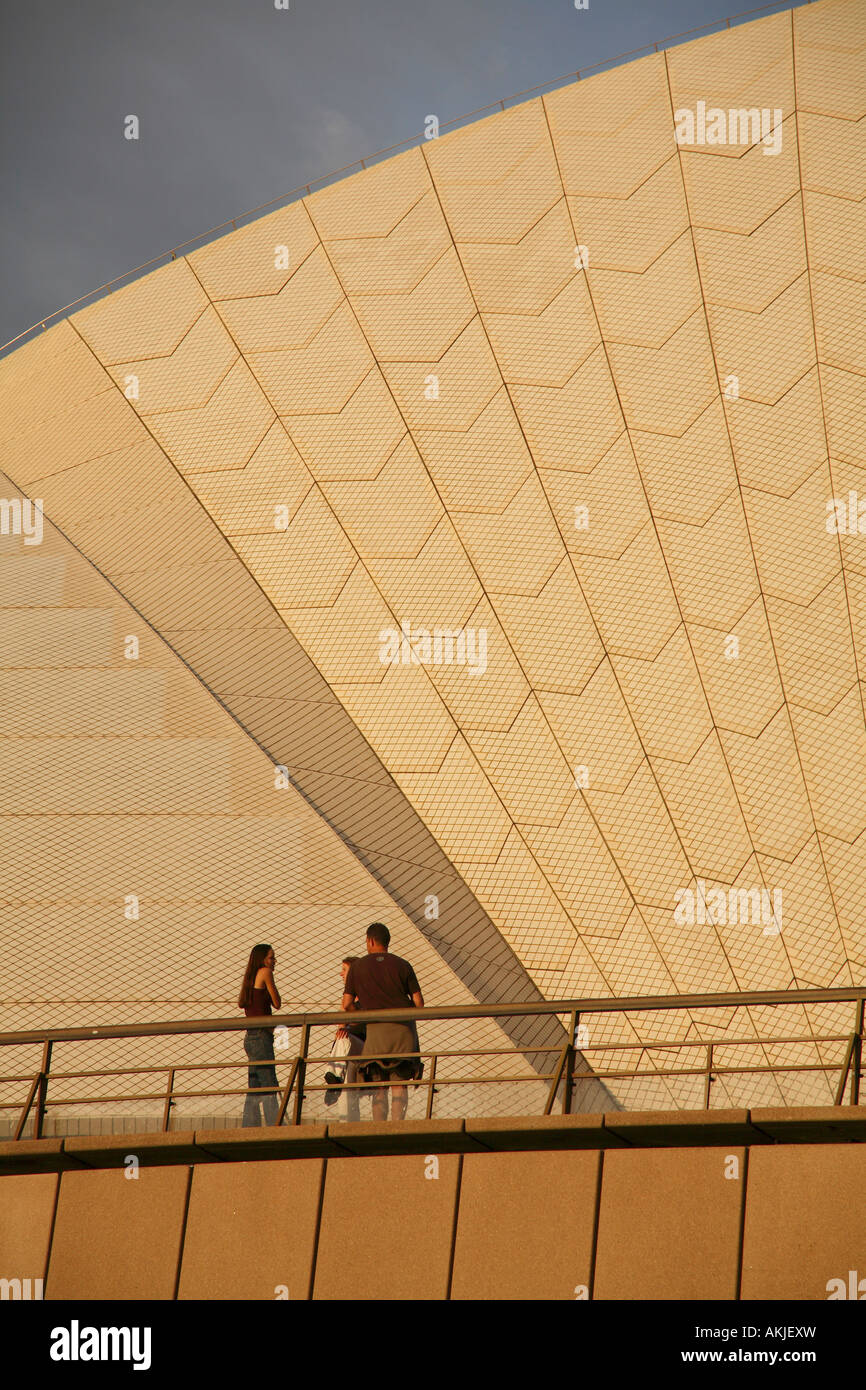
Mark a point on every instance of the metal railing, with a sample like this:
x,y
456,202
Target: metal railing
x,y
712,26
560,1076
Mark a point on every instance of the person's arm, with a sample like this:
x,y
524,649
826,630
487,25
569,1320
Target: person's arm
x,y
413,989
348,1004
271,987
343,1031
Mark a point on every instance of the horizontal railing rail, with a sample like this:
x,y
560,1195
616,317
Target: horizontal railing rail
x,y
357,165
545,1008
568,1069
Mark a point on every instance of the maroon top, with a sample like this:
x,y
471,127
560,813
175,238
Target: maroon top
x,y
261,1004
382,982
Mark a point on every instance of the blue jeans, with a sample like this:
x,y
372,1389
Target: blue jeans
x,y
260,1108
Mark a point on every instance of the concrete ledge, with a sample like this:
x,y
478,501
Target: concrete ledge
x,y
405,1137
35,1156
111,1150
269,1141
611,1130
825,1124
544,1132
684,1128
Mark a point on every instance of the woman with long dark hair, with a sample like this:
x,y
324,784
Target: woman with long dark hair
x,y
258,993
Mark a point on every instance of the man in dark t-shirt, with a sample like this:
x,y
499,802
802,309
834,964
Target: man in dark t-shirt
x,y
382,981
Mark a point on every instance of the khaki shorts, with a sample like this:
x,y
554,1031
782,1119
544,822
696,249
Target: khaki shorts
x,y
383,1045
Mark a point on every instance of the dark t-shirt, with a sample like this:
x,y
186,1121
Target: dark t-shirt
x,y
260,1004
382,982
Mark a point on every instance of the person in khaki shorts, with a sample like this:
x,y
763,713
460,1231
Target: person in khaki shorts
x,y
382,981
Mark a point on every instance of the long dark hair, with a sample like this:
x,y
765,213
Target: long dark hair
x,y
254,964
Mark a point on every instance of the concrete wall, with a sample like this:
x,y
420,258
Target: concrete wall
x,y
27,1204
805,1221
772,1221
119,1237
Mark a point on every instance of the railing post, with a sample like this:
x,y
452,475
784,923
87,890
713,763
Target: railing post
x,y
42,1091
857,1053
287,1092
22,1118
301,1073
430,1089
709,1080
554,1085
846,1067
568,1087
168,1101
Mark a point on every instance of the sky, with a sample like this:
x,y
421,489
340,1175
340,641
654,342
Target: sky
x,y
239,102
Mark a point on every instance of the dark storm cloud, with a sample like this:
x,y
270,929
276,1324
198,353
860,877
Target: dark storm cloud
x,y
239,103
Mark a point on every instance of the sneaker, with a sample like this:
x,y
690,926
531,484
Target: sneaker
x,y
333,1079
